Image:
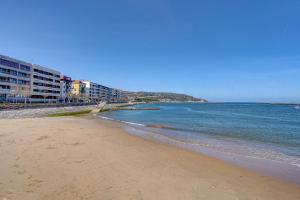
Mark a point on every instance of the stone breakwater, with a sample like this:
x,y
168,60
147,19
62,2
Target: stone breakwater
x,y
40,112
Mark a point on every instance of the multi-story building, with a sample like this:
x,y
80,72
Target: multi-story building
x,y
65,88
45,84
78,90
20,81
104,93
118,96
96,92
92,91
15,76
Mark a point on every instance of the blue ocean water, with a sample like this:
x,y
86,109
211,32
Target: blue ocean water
x,y
265,131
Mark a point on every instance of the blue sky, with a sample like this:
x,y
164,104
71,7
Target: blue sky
x,y
222,50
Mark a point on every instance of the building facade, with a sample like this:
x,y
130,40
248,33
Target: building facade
x,y
15,79
65,88
117,96
78,90
24,82
92,90
45,84
96,93
21,81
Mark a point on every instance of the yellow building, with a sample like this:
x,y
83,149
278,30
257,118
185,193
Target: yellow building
x,y
78,88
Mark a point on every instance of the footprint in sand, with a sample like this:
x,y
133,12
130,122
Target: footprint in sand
x,y
36,183
78,161
12,141
44,137
74,144
50,147
75,161
21,172
16,166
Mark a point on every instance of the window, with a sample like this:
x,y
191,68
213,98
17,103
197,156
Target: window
x,y
21,74
24,67
42,78
9,63
4,79
21,82
13,80
4,87
43,72
45,85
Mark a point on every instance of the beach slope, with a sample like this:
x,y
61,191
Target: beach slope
x,y
85,158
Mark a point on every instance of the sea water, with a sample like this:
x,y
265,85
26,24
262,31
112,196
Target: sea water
x,y
236,132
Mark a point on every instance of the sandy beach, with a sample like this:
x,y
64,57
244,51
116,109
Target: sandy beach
x,y
85,158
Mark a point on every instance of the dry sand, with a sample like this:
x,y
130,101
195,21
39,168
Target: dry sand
x,y
72,158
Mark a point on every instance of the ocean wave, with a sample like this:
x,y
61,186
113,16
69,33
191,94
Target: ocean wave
x,y
126,122
225,147
132,123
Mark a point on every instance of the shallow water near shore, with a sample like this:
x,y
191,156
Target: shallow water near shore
x,y
263,137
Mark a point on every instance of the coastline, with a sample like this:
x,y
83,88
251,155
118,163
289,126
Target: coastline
x,y
84,157
234,133
263,166
214,148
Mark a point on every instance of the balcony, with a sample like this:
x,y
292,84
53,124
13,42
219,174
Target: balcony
x,y
4,91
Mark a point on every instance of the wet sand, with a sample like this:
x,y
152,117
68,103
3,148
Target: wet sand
x,y
84,158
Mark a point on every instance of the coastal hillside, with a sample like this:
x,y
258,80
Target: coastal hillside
x,y
161,97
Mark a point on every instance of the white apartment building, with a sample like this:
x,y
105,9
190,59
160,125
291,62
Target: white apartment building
x,y
15,79
97,92
92,90
45,84
21,81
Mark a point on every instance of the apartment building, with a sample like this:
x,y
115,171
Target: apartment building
x,y
96,92
45,84
78,90
15,79
92,90
118,96
104,93
21,81
65,88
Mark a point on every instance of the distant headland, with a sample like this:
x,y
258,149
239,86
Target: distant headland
x,y
161,97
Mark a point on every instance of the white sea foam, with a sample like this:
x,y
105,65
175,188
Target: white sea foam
x,y
126,122
268,162
132,123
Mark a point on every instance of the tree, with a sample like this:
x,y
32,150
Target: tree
x,y
25,92
45,95
13,93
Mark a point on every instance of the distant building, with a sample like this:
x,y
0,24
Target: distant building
x,y
96,93
117,96
104,93
92,91
65,88
79,92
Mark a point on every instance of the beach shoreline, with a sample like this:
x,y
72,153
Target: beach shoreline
x,y
264,166
88,158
